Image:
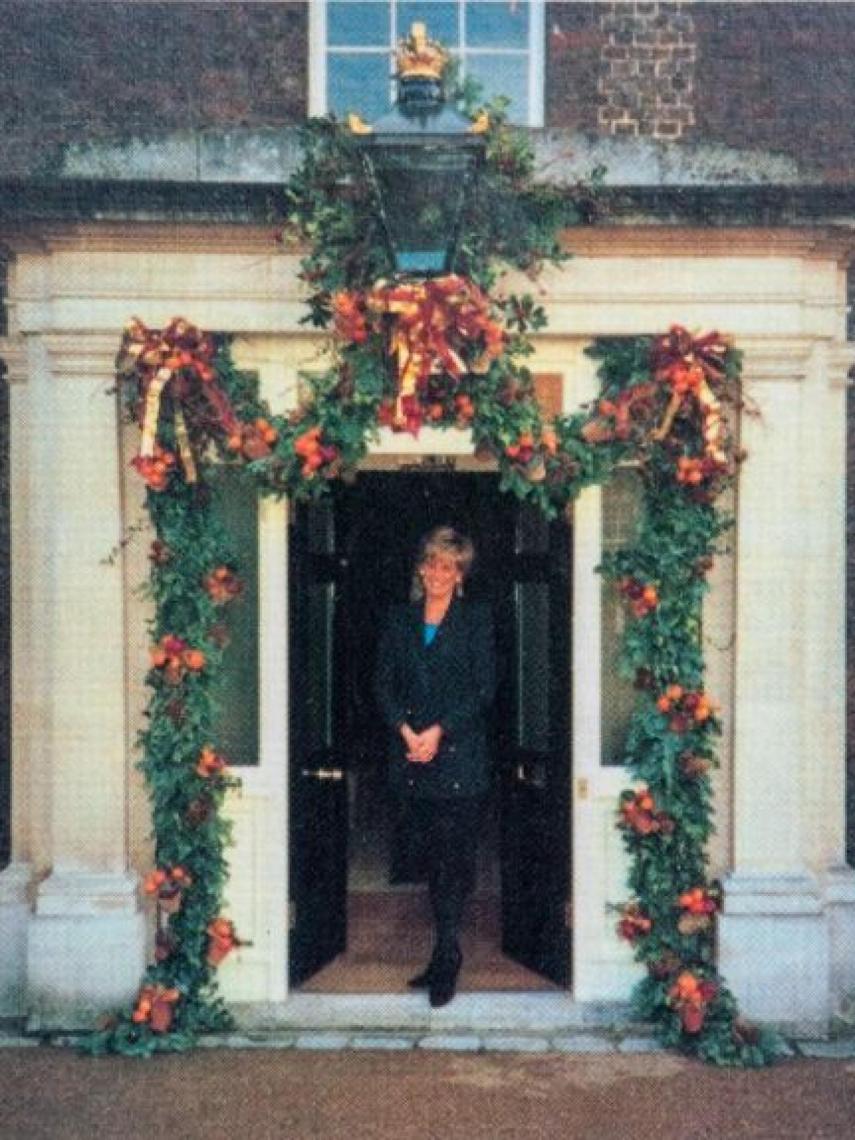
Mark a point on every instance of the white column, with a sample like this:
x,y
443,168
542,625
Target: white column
x,y
16,879
775,949
824,661
86,939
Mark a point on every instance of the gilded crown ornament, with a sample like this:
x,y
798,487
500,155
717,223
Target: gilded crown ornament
x,y
418,56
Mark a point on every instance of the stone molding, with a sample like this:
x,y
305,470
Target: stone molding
x,y
774,941
13,350
16,881
752,893
87,893
776,359
84,354
840,363
633,240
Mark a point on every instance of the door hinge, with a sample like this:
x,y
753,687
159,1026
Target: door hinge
x,y
582,787
568,914
292,915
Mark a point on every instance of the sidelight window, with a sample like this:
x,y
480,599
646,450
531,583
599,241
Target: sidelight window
x,y
236,712
621,511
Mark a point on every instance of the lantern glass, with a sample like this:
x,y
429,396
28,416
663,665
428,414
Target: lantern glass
x,y
422,192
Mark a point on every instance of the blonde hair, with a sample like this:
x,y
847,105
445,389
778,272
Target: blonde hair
x,y
441,540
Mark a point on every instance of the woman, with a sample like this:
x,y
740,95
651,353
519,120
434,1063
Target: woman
x,y
434,682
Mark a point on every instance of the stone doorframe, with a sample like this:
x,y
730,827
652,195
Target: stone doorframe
x,y
69,905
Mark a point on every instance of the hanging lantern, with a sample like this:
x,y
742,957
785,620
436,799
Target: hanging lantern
x,y
422,159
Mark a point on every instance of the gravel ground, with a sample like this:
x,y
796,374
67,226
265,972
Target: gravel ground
x,y
56,1094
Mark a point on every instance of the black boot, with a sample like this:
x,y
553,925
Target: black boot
x,y
442,985
423,980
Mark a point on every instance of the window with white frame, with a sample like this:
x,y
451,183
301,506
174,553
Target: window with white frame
x,y
498,43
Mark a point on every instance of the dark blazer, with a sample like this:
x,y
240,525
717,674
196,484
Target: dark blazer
x,y
450,682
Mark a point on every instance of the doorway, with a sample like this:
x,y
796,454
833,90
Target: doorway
x,y
359,913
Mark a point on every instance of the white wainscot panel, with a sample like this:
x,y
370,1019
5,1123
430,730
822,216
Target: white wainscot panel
x,y
255,894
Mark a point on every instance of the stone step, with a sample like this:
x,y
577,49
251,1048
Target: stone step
x,y
539,1012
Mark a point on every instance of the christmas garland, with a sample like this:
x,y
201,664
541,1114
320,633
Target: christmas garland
x,y
447,351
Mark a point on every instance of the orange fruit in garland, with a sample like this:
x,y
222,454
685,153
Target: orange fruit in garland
x,y
194,659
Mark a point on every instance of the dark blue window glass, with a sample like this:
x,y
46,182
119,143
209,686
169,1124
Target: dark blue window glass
x,y
497,23
358,83
351,23
502,75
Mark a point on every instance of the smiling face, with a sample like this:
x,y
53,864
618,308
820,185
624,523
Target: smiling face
x,y
440,575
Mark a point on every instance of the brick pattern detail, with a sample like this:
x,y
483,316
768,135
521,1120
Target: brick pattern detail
x,y
647,70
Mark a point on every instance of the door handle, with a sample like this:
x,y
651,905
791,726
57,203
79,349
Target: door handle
x,y
532,774
323,773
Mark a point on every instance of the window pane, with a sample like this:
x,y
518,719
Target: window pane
x,y
318,678
354,24
534,635
532,531
502,75
621,511
358,83
236,694
497,24
320,523
440,18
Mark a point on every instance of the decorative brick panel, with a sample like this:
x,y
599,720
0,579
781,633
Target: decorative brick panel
x,y
647,70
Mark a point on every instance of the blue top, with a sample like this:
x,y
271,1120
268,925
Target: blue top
x,y
430,631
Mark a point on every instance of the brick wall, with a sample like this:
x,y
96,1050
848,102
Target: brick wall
x,y
75,69
771,77
779,77
574,41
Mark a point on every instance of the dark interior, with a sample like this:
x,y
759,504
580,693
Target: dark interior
x,y
363,915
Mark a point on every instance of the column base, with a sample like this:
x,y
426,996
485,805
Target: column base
x,y
15,883
838,892
86,950
774,951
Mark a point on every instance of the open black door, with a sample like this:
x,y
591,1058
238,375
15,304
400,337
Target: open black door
x,y
534,741
318,789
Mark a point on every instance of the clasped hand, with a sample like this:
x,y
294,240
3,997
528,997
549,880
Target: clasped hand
x,y
422,746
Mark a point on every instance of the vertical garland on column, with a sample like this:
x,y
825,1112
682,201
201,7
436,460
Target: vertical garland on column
x,y
187,401
686,462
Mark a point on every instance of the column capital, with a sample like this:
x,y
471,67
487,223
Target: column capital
x,y
82,354
841,359
779,359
